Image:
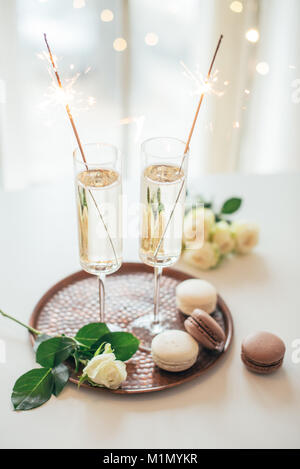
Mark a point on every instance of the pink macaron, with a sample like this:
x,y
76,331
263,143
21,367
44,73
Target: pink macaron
x,y
205,329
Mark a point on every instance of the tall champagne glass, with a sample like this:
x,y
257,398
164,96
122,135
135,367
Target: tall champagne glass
x,y
161,222
99,208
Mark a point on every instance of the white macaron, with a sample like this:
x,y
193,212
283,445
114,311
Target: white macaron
x,y
174,350
196,294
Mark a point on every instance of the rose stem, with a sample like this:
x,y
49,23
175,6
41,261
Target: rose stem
x,y
31,329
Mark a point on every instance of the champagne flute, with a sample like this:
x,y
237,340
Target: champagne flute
x,y
99,212
161,222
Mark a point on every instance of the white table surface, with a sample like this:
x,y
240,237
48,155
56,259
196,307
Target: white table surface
x,y
226,407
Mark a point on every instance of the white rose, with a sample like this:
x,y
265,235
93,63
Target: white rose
x,y
105,370
246,235
223,237
197,226
204,258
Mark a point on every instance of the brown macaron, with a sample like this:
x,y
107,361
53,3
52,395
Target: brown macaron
x,y
263,352
205,330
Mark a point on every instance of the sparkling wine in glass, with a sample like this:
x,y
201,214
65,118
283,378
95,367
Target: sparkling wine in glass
x,y
99,207
161,223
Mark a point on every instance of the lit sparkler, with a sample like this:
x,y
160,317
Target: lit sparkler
x,y
202,85
70,116
57,95
187,146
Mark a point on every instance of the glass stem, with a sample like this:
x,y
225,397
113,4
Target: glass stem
x,y
157,276
101,280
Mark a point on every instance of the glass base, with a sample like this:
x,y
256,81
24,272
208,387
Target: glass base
x,y
98,268
159,261
145,330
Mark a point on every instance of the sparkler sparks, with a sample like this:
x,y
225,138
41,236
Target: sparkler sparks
x,y
57,96
202,85
91,100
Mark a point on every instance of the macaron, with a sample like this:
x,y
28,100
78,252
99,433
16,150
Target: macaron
x,y
205,330
263,352
195,293
174,350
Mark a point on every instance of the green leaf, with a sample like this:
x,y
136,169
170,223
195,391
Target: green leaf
x,y
32,389
40,338
124,344
231,205
54,351
91,333
60,375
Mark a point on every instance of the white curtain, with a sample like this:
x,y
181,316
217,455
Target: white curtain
x,y
142,92
271,138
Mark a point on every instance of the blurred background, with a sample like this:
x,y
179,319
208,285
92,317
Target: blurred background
x,y
132,70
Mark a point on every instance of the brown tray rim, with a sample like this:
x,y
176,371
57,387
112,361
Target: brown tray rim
x,y
126,268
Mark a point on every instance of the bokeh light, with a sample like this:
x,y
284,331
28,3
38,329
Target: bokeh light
x,y
151,39
78,3
237,7
252,35
262,68
120,44
106,16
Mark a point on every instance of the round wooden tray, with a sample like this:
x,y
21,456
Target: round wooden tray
x,y
73,302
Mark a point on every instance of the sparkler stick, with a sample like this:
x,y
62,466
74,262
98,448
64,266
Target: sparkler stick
x,y
78,142
187,147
